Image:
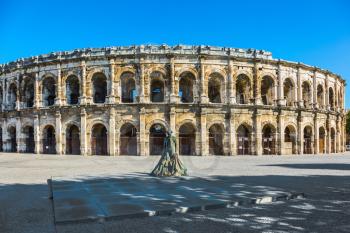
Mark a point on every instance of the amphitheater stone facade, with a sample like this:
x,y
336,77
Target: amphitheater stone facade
x,y
122,100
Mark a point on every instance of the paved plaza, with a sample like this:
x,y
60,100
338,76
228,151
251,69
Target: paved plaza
x,y
25,205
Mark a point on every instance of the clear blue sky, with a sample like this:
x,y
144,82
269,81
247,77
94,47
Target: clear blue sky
x,y
312,32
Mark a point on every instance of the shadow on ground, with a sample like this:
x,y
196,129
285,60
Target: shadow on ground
x,y
327,166
26,208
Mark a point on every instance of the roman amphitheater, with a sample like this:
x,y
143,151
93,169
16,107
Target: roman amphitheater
x,y
122,100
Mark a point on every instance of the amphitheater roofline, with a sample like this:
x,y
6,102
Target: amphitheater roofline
x,y
200,50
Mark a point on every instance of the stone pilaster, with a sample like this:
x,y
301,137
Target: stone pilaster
x,y
231,84
204,143
19,135
300,136
280,134
142,81
58,86
258,134
314,90
111,132
203,96
58,133
256,84
83,134
299,89
280,94
37,140
232,136
143,150
36,91
111,88
173,95
316,135
82,98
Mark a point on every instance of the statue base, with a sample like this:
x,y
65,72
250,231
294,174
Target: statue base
x,y
169,166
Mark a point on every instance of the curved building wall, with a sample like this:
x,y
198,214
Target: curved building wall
x,y
122,100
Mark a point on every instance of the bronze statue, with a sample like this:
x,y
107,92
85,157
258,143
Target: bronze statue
x,y
170,163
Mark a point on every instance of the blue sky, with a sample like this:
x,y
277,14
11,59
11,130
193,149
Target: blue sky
x,y
313,32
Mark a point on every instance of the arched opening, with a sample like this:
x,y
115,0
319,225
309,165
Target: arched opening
x,y
320,96
332,140
308,140
28,92
321,140
156,139
269,140
216,136
72,140
306,94
1,144
99,140
267,90
12,139
29,139
157,87
99,81
49,140
243,89
12,96
214,88
128,87
49,91
243,140
128,139
72,89
288,90
290,140
331,98
187,139
186,87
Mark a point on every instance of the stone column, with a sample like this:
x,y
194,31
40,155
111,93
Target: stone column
x,y
143,149
233,144
142,81
314,90
58,86
173,95
316,135
280,134
300,136
281,100
203,96
17,95
258,134
36,91
327,106
3,104
58,133
256,84
83,135
173,127
19,135
4,135
111,132
82,98
37,134
231,84
299,88
111,97
204,143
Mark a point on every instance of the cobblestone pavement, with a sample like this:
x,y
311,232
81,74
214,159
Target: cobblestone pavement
x,y
325,179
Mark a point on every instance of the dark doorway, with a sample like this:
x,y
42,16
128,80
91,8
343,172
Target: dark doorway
x,y
29,139
156,139
290,140
99,140
99,81
12,138
49,91
321,140
49,140
187,139
243,141
72,90
186,87
268,140
128,140
216,140
307,140
72,140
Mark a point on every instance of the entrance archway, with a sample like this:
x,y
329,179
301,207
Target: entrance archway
x,y
72,140
187,139
99,140
243,140
128,139
269,140
321,140
308,140
290,140
49,140
216,136
156,139
12,139
29,139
